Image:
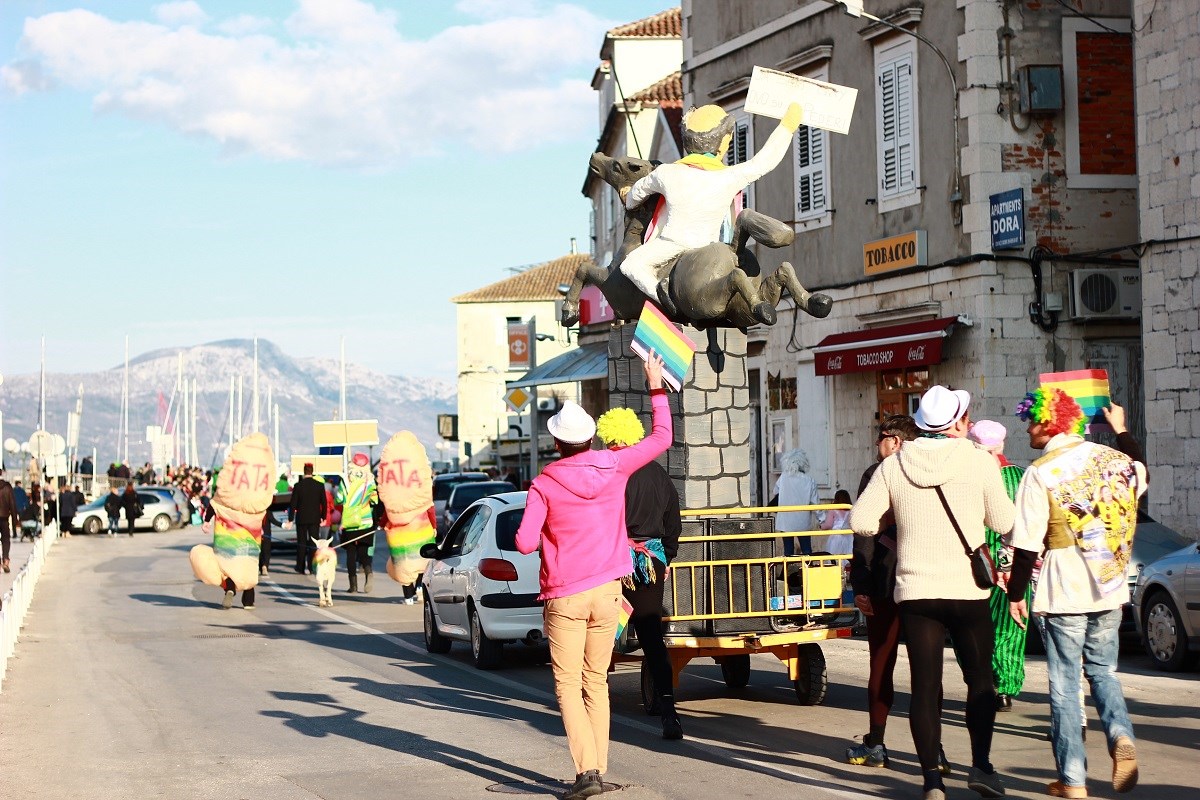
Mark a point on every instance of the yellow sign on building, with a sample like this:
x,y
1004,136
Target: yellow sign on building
x,y
895,252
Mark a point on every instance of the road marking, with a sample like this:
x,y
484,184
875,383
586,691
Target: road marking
x,y
707,745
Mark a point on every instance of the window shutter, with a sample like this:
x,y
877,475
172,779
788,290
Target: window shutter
x,y
739,153
897,168
809,147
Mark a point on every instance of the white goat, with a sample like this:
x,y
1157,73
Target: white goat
x,y
325,563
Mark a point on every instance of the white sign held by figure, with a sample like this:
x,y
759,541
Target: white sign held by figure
x,y
826,105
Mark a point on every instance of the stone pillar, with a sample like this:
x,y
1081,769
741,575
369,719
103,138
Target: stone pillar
x,y
709,460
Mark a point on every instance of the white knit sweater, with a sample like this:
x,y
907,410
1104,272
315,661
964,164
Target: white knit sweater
x,y
930,563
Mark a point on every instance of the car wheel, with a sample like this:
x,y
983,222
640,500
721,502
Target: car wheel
x,y
91,526
434,641
1162,632
162,523
486,653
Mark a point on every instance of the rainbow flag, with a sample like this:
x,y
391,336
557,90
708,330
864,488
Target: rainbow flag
x,y
655,332
1088,387
623,615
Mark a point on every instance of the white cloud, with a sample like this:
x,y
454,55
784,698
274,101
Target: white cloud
x,y
244,24
182,12
346,89
494,9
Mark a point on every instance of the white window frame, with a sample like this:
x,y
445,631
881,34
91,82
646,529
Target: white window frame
x,y
742,120
819,216
1071,26
907,193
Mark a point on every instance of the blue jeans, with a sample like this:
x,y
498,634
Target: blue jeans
x,y
1091,639
113,524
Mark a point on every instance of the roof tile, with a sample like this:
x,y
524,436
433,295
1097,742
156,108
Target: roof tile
x,y
536,283
665,24
666,92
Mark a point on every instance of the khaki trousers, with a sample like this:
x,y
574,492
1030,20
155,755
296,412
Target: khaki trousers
x,y
581,628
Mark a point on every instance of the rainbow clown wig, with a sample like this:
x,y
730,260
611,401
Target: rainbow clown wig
x,y
620,426
1055,409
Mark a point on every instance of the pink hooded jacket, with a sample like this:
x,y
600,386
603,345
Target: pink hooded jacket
x,y
576,512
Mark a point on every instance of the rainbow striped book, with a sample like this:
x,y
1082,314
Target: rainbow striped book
x,y
1088,387
655,332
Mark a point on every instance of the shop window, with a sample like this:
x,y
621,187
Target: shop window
x,y
781,392
900,390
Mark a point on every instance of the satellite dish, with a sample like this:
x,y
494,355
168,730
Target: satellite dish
x,y
11,445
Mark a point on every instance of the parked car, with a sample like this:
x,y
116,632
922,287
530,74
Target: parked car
x,y
1166,608
478,588
159,513
443,485
282,540
176,495
463,494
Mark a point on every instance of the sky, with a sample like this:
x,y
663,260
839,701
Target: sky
x,y
297,170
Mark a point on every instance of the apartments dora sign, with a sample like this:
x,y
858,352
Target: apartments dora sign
x,y
895,252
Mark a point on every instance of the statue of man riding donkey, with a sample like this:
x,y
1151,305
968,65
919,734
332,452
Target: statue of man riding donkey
x,y
672,252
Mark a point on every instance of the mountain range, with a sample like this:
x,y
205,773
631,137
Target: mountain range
x,y
305,389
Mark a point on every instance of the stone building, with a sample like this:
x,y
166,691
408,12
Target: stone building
x,y
1167,50
975,115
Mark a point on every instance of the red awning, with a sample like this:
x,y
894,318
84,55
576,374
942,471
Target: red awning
x,y
892,347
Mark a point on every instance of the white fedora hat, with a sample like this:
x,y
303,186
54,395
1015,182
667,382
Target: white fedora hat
x,y
940,408
572,424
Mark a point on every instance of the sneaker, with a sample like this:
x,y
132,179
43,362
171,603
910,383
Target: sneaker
x,y
934,794
587,784
1125,768
412,601
864,755
262,570
985,784
1060,789
249,607
228,601
367,584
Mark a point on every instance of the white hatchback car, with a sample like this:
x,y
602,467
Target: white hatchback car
x,y
478,588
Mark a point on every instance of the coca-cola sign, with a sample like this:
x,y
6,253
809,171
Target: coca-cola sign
x,y
912,344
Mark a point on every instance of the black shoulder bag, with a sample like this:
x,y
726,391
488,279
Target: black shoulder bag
x,y
983,568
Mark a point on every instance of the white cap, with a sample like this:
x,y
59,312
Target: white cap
x,y
940,408
572,424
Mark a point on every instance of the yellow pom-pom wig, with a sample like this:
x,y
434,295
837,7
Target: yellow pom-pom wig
x,y
620,426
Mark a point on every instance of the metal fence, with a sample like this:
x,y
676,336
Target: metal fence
x,y
16,600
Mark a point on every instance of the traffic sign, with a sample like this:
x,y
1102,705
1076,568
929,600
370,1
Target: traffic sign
x,y
517,399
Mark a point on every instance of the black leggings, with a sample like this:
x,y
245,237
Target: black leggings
x,y
969,624
356,550
646,619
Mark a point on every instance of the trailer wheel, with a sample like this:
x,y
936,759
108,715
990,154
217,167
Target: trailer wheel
x,y
736,670
649,698
813,680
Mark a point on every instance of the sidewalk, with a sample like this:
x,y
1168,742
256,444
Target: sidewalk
x,y
17,587
19,554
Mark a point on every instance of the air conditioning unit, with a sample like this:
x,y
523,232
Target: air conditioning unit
x,y
1106,293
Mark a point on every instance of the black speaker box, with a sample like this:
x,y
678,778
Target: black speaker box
x,y
740,577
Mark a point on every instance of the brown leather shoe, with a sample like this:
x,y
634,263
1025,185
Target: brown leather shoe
x,y
1060,789
1125,768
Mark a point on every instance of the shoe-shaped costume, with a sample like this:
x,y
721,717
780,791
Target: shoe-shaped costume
x,y
244,491
405,485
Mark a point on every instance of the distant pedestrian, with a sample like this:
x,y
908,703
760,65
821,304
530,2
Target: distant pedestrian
x,y
68,504
281,485
20,497
9,521
112,508
131,505
264,553
307,509
796,487
575,513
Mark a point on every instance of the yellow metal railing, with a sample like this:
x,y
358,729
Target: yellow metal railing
x,y
789,586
